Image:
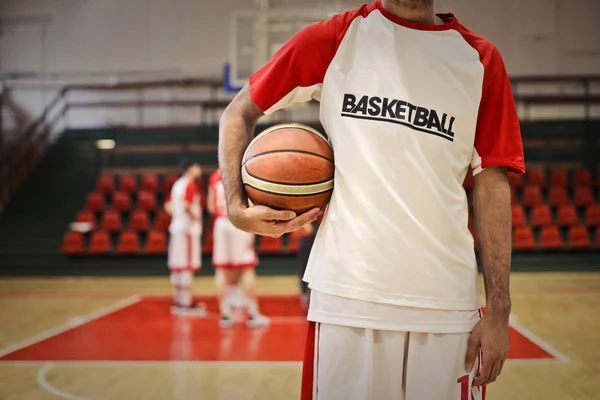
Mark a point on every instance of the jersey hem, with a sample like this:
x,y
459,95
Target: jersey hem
x,y
355,321
397,299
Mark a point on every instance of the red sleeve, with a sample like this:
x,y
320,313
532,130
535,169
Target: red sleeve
x,y
190,192
295,73
498,141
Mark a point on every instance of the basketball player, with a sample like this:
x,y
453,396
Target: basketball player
x,y
409,99
234,259
184,243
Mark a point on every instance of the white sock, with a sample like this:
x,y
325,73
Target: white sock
x,y
184,297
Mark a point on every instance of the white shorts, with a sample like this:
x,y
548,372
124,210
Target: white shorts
x,y
232,247
358,364
184,252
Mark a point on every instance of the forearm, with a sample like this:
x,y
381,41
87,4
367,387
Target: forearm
x,y
235,133
493,226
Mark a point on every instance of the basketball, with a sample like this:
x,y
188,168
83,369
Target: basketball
x,y
289,167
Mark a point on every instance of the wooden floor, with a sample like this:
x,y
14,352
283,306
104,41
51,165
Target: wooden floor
x,y
559,312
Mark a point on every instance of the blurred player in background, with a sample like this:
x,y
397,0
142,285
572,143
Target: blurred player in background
x,y
234,257
184,253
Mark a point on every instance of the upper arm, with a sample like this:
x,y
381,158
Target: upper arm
x,y
498,140
295,73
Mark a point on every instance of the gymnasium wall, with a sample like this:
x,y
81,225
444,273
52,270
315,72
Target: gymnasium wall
x,y
191,37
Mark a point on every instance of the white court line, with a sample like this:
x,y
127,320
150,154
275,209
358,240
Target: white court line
x,y
41,380
136,364
538,341
73,323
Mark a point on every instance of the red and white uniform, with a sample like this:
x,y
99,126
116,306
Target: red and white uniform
x,y
408,108
232,247
184,241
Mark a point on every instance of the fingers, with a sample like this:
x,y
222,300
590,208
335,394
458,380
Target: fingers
x,y
277,215
472,347
488,376
482,376
299,221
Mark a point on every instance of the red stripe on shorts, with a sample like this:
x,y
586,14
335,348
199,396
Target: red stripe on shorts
x,y
308,365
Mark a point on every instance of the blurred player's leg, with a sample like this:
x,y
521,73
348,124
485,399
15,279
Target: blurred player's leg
x,y
243,258
224,276
184,260
255,319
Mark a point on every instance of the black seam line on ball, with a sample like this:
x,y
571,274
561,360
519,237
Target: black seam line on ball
x,y
287,194
287,183
289,151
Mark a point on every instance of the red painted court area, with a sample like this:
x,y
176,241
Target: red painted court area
x,y
146,331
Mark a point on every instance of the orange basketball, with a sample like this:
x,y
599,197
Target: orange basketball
x,y
289,167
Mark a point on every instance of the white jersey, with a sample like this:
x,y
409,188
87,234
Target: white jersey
x,y
408,108
185,191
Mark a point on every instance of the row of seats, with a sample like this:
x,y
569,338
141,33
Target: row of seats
x,y
551,238
565,215
555,177
554,195
530,196
540,215
130,243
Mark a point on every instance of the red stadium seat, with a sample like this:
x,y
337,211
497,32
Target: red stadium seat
x,y
532,196
592,215
583,196
111,221
579,237
95,202
121,201
513,196
72,243
515,180
129,243
523,238
163,220
469,180
269,245
139,221
518,216
559,177
567,215
541,215
557,196
146,201
582,177
168,182
127,183
550,238
156,243
536,177
100,243
149,183
105,184
86,216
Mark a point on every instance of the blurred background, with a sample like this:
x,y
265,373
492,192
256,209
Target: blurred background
x,y
99,101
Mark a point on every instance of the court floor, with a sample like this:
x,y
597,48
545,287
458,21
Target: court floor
x,y
114,338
